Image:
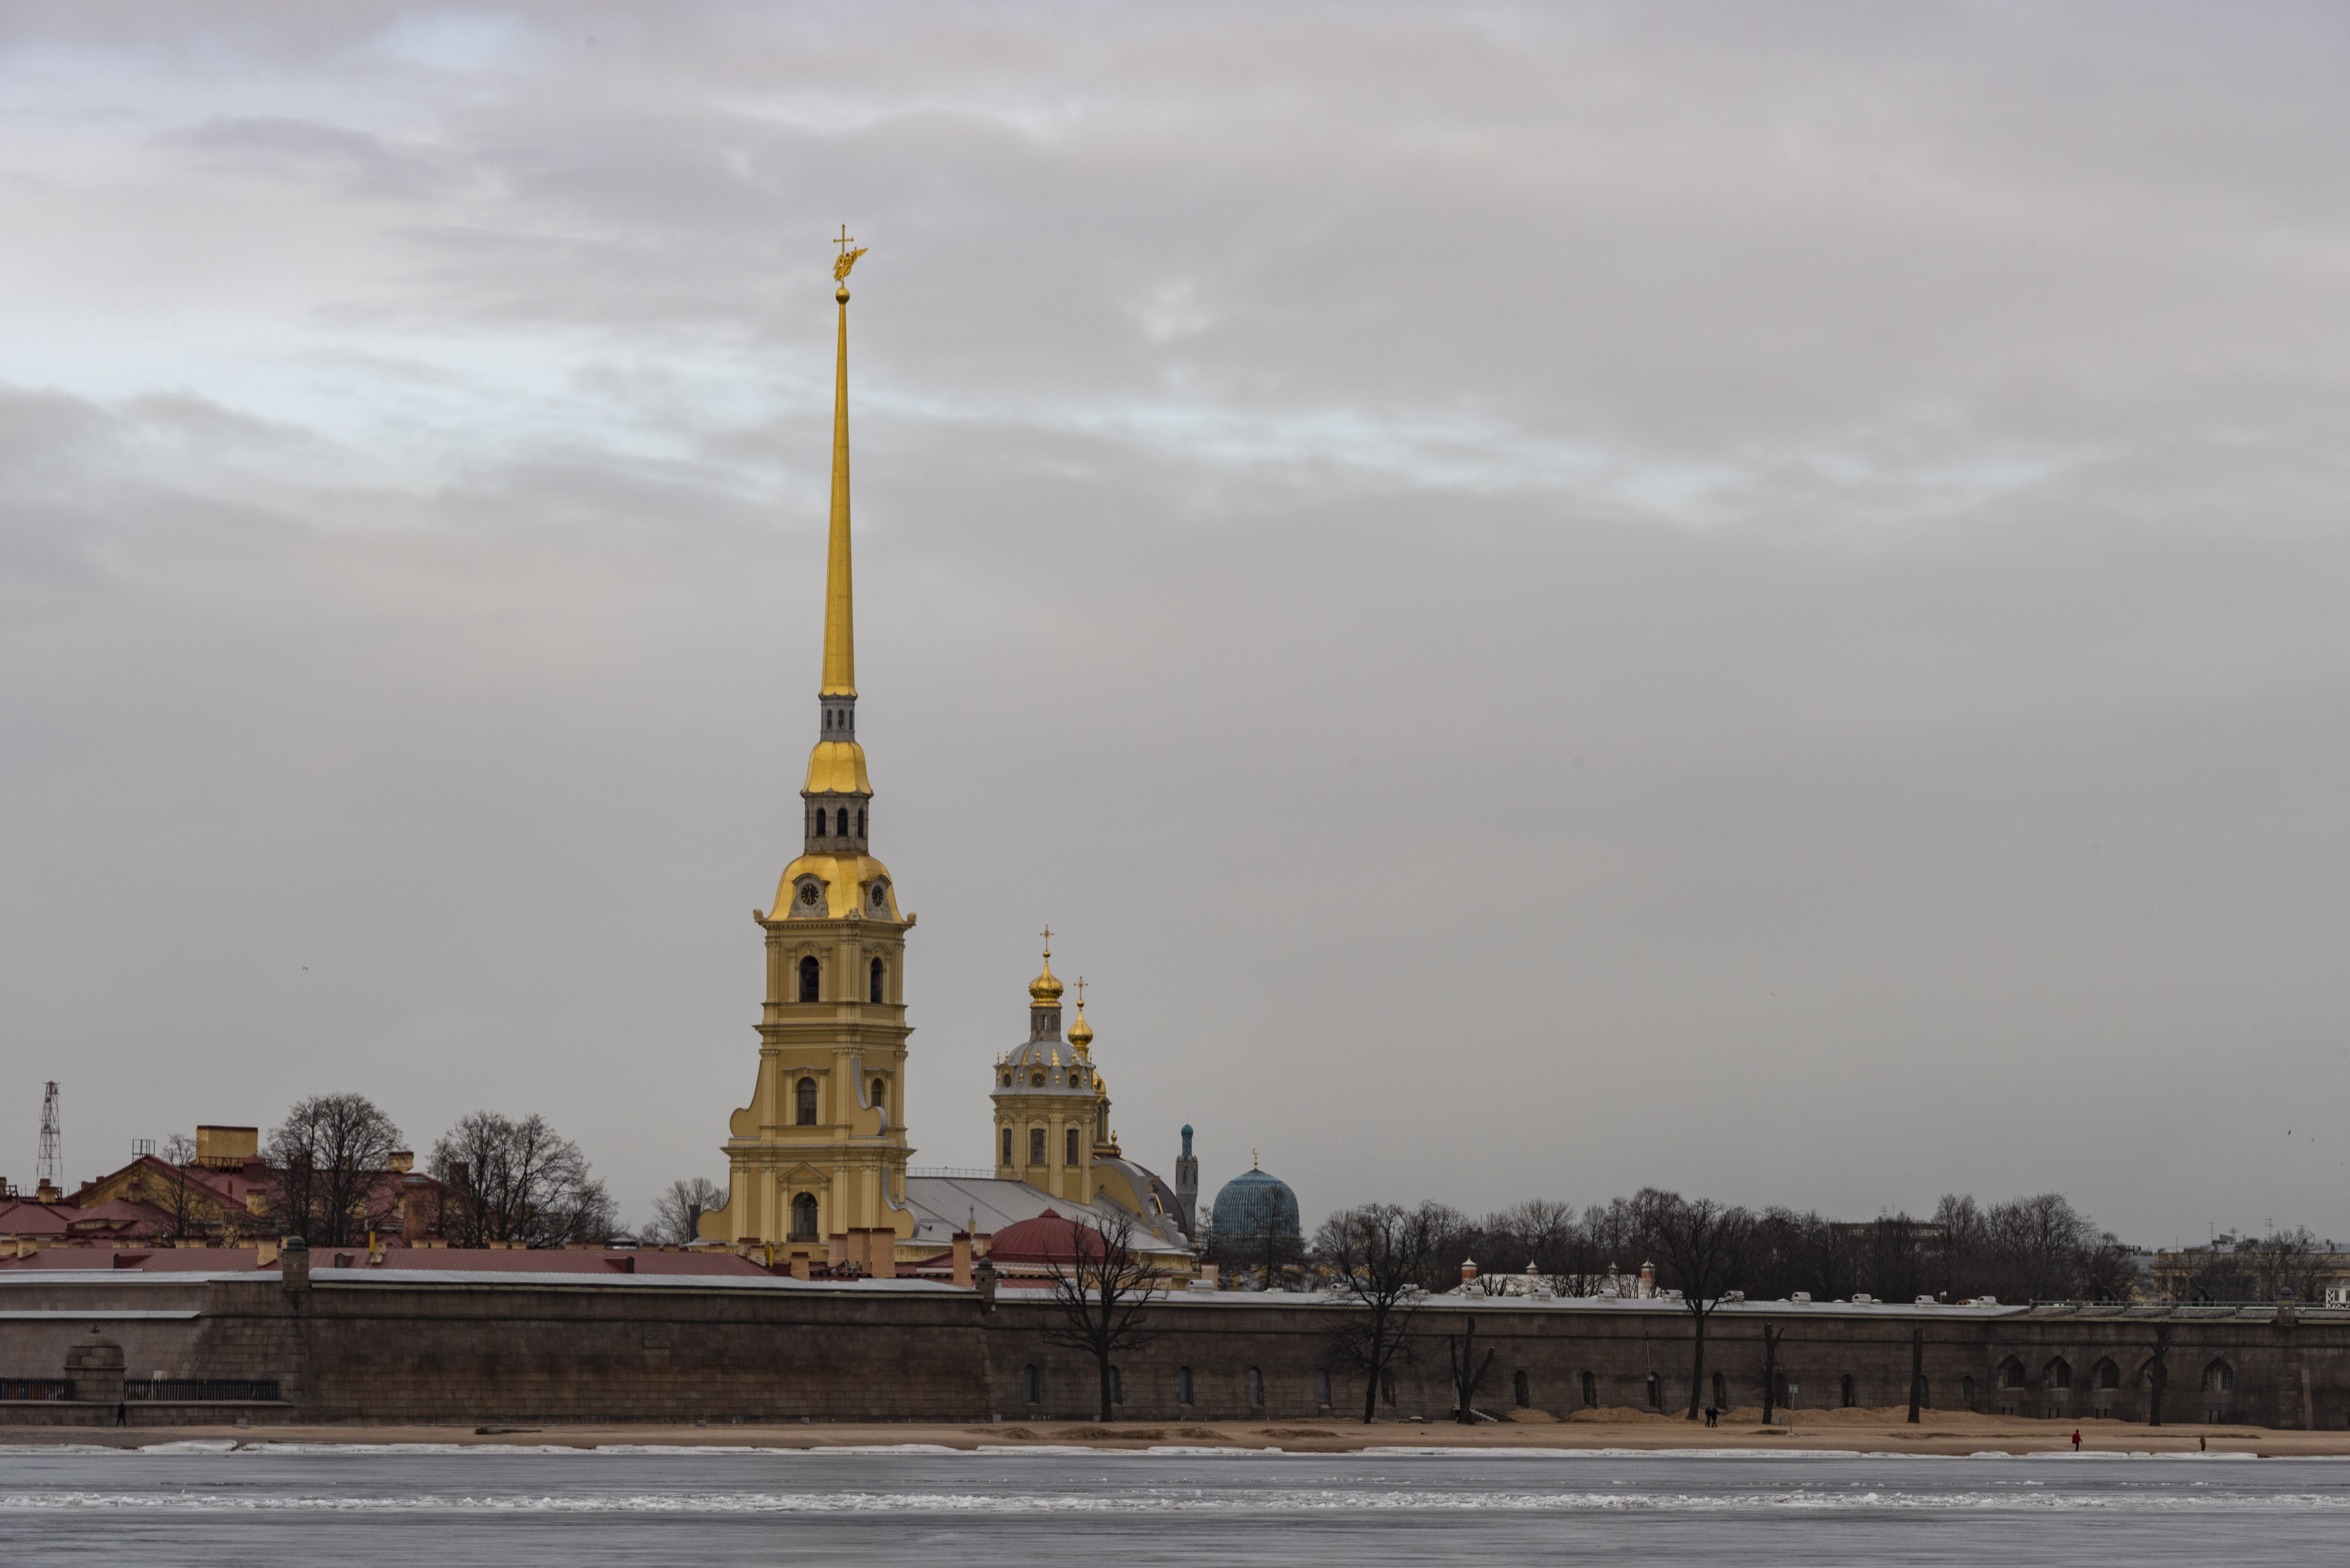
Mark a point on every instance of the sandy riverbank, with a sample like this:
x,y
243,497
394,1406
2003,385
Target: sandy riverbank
x,y
1864,1431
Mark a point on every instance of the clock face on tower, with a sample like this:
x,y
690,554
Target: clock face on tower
x,y
881,896
809,895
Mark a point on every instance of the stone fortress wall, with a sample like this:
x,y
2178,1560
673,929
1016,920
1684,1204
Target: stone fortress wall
x,y
410,1346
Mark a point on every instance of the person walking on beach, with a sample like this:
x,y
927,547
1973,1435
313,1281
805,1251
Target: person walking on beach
x,y
1710,1417
2076,1439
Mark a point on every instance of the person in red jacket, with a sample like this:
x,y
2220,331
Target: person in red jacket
x,y
2076,1439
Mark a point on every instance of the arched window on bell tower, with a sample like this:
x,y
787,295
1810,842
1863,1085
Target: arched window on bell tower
x,y
877,981
1072,1148
1007,1146
809,973
806,1108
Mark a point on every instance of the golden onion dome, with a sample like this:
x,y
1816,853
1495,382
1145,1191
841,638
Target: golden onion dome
x,y
1045,991
1081,1034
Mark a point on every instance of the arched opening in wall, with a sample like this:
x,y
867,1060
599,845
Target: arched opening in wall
x,y
2106,1373
1656,1392
2057,1373
2010,1373
860,822
2218,1378
1387,1388
810,972
1116,1387
1072,1159
1523,1390
804,1113
1035,1146
1032,1384
1844,1391
841,816
804,1227
1255,1386
1008,1080
1182,1385
1720,1392
1007,1146
1967,1392
881,1094
1321,1387
875,983
1591,1391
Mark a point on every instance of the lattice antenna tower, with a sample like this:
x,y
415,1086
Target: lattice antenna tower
x,y
50,1165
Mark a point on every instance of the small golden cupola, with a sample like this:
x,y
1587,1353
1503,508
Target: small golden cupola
x,y
1081,1034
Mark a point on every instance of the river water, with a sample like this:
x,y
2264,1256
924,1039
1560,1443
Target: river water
x,y
426,1506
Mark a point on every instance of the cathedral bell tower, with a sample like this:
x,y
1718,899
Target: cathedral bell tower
x,y
1052,1104
820,1151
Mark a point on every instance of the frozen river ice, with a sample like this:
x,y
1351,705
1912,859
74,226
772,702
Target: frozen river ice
x,y
447,1507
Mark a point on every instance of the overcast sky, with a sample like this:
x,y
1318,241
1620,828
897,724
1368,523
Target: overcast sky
x,y
1547,599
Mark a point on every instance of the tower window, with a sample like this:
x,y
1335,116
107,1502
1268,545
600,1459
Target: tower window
x,y
877,980
808,972
827,718
1036,1080
1035,1146
860,822
806,1109
1007,1142
1072,1148
881,1094
803,1217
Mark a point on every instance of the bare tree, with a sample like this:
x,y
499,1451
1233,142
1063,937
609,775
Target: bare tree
x,y
2156,1374
1771,1339
511,1180
1703,1245
2284,1263
1376,1255
1103,1297
1468,1371
186,1211
328,1158
677,1212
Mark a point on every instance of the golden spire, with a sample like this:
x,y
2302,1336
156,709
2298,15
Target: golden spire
x,y
1081,1034
840,602
1045,991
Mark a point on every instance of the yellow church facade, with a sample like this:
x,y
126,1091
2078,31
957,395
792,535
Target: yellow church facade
x,y
819,1156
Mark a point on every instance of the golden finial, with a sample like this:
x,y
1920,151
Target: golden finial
x,y
1081,1034
1045,991
1253,1164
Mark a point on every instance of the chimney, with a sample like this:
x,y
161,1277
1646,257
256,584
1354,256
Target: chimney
x,y
800,1269
294,1264
1467,1270
881,1253
838,1252
1648,1281
982,1242
962,1257
1212,1273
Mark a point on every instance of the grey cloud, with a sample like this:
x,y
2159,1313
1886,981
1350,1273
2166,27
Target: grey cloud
x,y
1553,598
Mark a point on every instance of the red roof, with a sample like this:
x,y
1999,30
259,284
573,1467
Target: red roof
x,y
1047,1239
